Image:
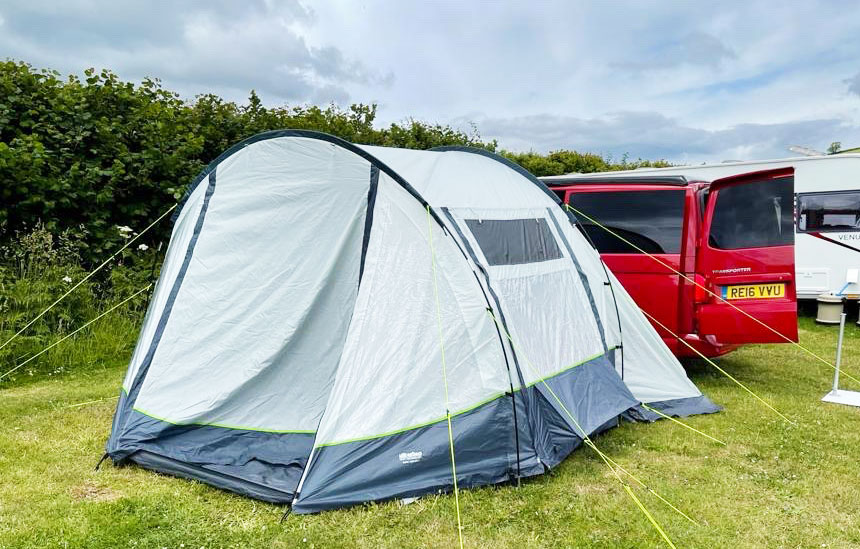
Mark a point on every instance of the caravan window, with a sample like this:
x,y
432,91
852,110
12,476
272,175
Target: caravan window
x,y
828,212
514,241
652,220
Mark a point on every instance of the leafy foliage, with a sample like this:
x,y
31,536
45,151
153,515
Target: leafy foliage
x,y
39,268
85,155
84,161
562,162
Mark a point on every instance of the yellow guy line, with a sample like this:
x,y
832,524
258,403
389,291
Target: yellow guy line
x,y
588,442
444,377
79,404
714,364
84,279
51,346
685,277
649,489
682,424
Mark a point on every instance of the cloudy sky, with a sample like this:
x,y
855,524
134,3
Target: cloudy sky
x,y
684,81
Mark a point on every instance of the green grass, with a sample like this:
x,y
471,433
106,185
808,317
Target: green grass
x,y
773,485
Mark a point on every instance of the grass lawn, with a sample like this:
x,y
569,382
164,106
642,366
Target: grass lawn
x,y
773,485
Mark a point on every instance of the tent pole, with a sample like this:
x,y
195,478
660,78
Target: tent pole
x,y
839,351
472,260
577,223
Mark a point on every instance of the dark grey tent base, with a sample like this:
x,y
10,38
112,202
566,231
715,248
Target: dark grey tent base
x,y
417,461
506,434
680,407
244,461
169,466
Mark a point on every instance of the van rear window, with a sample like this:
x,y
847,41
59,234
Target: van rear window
x,y
837,211
652,220
754,215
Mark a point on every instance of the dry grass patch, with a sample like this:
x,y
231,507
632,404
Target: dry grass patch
x,y
93,493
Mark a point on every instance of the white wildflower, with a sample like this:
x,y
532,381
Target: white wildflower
x,y
143,247
67,279
123,228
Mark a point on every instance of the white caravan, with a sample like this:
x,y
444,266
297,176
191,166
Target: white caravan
x,y
827,215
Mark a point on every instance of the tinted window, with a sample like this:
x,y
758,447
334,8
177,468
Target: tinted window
x,y
514,241
754,215
828,212
652,220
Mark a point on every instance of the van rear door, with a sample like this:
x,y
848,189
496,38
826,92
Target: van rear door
x,y
746,256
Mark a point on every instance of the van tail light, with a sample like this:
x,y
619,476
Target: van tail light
x,y
699,293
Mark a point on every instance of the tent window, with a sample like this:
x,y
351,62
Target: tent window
x,y
828,212
514,241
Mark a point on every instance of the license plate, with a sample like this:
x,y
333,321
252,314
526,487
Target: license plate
x,y
754,291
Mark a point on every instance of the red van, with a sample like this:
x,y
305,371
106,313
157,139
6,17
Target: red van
x,y
735,236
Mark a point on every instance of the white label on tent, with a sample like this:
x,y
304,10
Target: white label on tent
x,y
410,457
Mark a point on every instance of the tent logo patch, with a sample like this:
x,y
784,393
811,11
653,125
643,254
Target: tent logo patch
x,y
410,457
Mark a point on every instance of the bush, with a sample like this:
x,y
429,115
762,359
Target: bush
x,y
85,161
82,156
37,271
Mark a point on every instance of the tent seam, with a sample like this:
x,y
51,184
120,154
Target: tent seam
x,y
222,426
583,279
465,410
146,363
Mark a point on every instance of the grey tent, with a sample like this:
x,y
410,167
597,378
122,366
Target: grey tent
x,y
324,307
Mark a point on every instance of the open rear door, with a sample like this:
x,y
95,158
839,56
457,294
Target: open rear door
x,y
747,257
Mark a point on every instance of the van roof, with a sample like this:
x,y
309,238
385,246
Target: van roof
x,y
658,172
563,180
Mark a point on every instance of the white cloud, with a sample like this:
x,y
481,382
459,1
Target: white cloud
x,y
741,78
653,135
223,47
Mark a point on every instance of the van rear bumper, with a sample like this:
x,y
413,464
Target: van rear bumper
x,y
708,346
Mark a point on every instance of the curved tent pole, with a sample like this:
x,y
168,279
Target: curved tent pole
x,y
577,223
501,159
469,254
379,166
308,134
583,278
208,174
